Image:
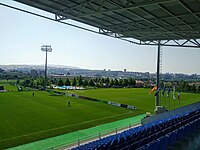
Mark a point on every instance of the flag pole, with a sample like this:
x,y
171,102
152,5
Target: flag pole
x,y
179,98
168,96
174,104
160,98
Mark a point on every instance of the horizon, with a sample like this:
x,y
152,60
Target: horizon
x,y
75,47
75,67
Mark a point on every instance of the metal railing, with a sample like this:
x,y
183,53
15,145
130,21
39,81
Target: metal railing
x,y
92,137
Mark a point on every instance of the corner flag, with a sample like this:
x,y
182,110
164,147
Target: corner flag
x,y
153,89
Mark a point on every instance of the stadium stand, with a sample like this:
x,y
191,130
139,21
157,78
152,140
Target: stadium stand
x,y
156,135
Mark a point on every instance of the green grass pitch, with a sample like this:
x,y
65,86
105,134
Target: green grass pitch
x,y
138,97
26,118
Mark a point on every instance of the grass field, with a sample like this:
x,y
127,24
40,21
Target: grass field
x,y
8,85
137,97
26,118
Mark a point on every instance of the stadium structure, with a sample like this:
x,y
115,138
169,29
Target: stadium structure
x,y
143,22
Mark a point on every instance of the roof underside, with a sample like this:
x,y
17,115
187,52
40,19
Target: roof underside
x,y
145,20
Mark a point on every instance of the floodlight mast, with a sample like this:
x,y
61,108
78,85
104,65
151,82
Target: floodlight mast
x,y
46,48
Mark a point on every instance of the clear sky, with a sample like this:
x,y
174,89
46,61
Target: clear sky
x,y
22,35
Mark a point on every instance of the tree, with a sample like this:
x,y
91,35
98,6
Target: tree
x,y
80,81
121,82
60,82
107,80
18,81
162,84
31,83
111,82
67,82
183,86
198,89
26,82
15,77
193,88
187,88
74,82
116,82
91,83
102,80
125,82
131,82
85,83
40,82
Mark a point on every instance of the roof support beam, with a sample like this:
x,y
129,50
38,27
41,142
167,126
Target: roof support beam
x,y
142,4
190,11
161,27
175,43
166,10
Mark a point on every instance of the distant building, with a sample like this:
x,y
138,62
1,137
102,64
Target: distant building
x,y
1,70
41,72
34,73
139,83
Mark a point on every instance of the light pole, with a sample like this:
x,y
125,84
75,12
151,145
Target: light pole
x,y
46,48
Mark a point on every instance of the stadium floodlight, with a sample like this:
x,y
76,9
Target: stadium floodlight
x,y
46,48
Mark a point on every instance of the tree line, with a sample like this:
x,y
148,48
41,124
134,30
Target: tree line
x,y
182,86
95,82
80,81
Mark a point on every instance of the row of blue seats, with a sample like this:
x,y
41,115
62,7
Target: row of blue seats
x,y
149,135
170,138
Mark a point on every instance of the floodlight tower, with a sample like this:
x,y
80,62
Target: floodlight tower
x,y
46,48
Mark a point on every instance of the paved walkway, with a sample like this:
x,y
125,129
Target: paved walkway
x,y
74,138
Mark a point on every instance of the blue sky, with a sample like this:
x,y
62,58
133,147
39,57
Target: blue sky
x,y
22,35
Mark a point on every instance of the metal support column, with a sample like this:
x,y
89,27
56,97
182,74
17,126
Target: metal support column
x,y
158,74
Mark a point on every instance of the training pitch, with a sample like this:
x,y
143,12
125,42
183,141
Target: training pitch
x,y
26,118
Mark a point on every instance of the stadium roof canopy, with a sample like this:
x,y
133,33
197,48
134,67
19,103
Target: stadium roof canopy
x,y
137,21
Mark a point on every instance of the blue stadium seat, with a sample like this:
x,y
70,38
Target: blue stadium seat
x,y
142,148
162,145
152,136
143,141
134,145
180,133
153,145
171,138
